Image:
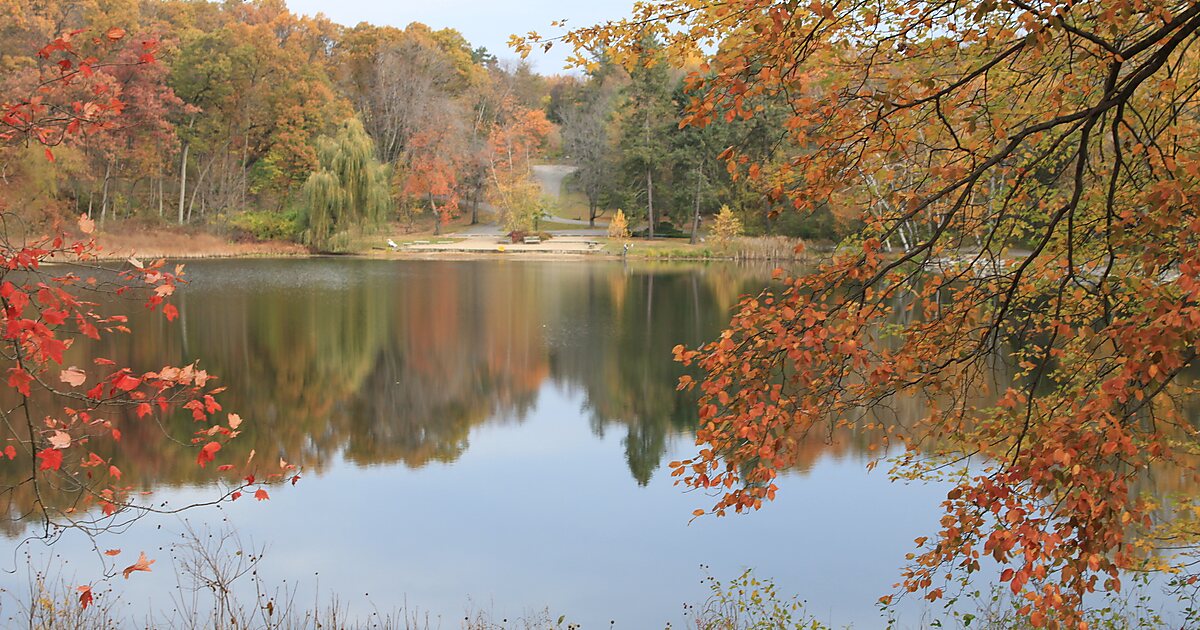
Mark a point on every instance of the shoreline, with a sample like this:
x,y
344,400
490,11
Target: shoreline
x,y
185,245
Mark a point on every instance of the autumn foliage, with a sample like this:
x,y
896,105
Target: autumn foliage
x,y
1027,181
61,420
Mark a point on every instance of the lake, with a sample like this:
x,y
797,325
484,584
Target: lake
x,y
482,435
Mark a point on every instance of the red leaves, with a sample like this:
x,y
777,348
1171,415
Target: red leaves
x,y
85,596
261,494
170,312
207,453
125,382
52,459
19,380
97,392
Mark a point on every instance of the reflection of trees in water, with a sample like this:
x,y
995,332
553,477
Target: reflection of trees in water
x,y
398,362
621,361
462,348
401,366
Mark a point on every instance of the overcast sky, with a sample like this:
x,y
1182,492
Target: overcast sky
x,y
483,22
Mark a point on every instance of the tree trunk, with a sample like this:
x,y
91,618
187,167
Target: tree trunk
x,y
591,213
437,220
650,201
183,161
187,147
104,192
245,174
475,206
696,216
196,189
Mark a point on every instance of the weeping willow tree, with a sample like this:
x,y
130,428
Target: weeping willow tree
x,y
349,189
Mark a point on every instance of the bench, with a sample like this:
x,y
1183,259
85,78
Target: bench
x,y
533,240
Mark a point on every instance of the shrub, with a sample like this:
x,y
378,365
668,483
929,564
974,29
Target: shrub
x,y
268,226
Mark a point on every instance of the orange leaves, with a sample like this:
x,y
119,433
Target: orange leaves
x,y
207,453
142,564
86,225
261,494
85,596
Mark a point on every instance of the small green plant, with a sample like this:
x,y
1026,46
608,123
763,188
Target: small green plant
x,y
750,603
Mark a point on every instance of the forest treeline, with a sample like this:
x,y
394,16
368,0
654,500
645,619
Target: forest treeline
x,y
256,120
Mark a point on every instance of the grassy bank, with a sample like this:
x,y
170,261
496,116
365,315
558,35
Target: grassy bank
x,y
765,248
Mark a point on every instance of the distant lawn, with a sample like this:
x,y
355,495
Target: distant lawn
x,y
546,226
574,205
657,248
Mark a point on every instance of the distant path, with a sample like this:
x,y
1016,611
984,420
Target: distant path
x,y
550,177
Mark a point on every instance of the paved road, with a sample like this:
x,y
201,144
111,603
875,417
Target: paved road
x,y
550,177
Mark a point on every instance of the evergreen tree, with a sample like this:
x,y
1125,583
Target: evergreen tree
x,y
647,127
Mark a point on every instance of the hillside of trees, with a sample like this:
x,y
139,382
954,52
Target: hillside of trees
x,y
257,122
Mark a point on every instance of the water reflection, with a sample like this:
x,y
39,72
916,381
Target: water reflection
x,y
377,375
379,362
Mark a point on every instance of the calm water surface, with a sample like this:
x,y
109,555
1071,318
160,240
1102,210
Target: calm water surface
x,y
487,435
